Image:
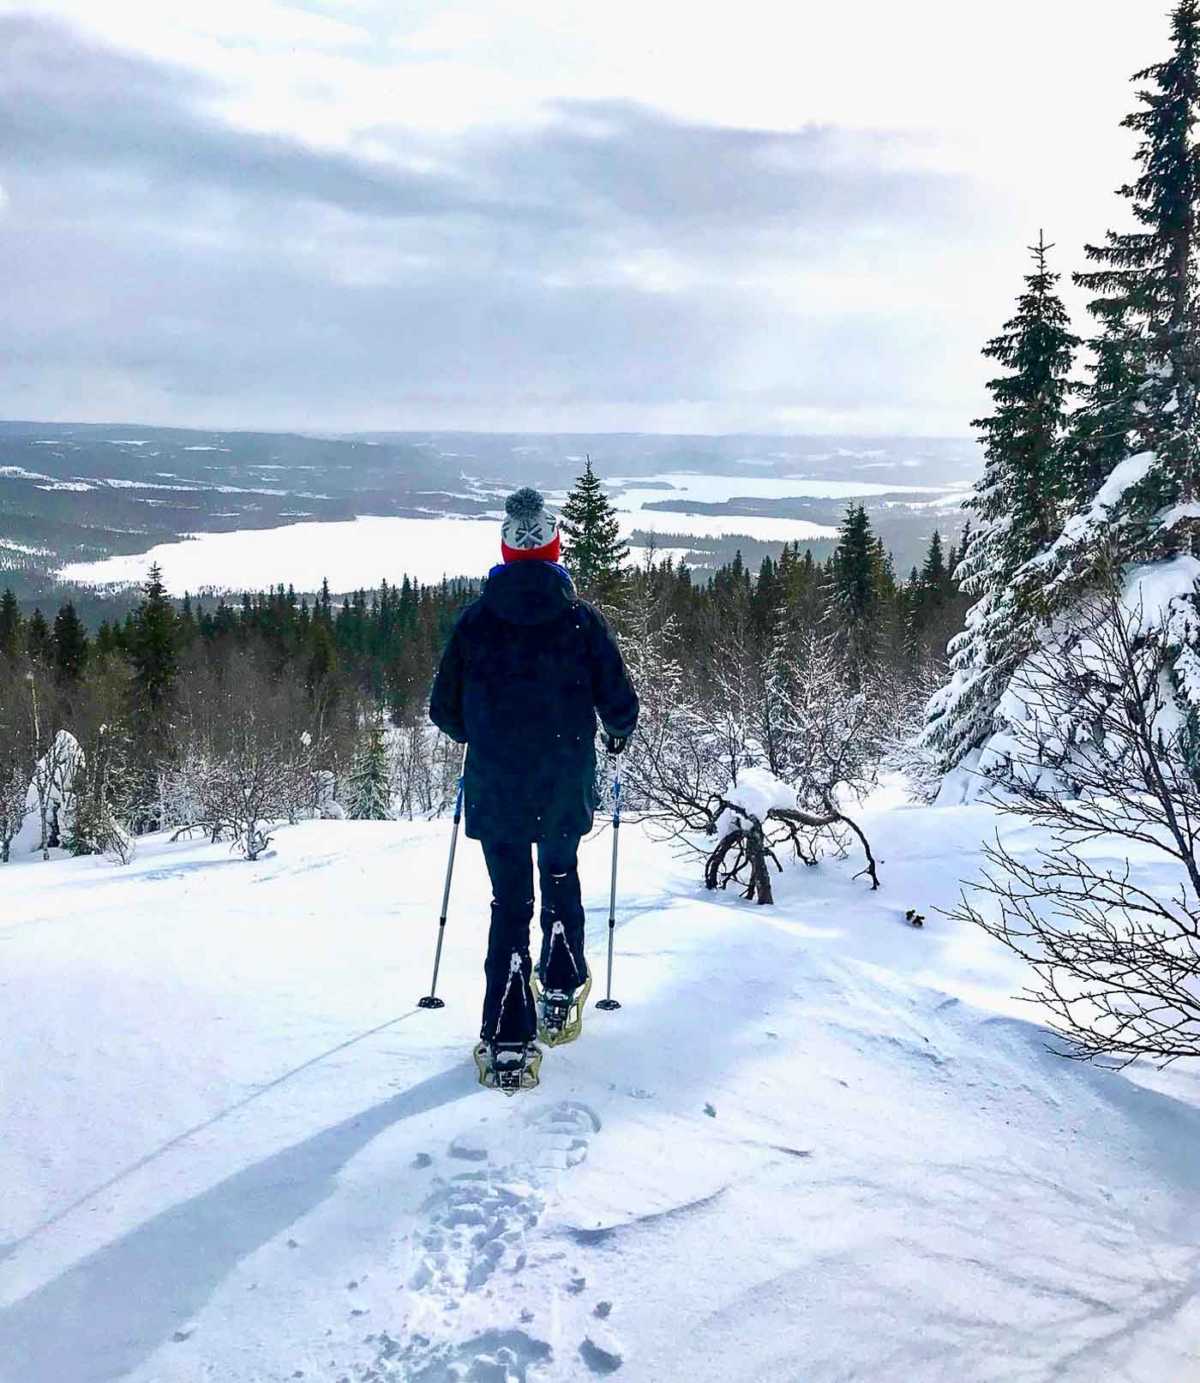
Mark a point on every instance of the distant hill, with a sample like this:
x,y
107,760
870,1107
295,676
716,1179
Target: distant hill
x,y
74,492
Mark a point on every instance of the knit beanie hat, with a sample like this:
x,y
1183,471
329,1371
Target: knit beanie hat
x,y
530,533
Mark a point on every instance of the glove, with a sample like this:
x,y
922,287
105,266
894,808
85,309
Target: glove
x,y
615,743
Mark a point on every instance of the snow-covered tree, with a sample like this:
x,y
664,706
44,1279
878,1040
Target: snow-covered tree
x,y
52,791
1146,282
183,791
1136,487
1099,760
250,788
14,800
370,795
17,751
1018,503
593,548
101,798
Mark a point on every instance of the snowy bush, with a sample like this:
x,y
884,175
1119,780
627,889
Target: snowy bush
x,y
370,790
101,801
760,813
14,804
1097,752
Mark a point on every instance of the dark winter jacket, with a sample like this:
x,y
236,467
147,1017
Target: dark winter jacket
x,y
528,667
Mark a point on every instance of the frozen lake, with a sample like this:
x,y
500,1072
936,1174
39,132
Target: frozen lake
x,y
361,552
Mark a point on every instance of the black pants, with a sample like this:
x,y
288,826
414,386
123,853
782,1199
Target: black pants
x,y
508,1011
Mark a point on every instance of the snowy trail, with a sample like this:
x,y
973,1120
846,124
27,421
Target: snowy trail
x,y
815,1144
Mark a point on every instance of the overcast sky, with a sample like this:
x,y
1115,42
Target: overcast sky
x,y
647,215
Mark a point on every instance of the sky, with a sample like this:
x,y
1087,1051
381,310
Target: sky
x,y
641,215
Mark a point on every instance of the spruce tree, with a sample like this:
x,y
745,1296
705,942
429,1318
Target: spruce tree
x,y
593,548
854,594
860,573
1018,502
70,645
12,634
1146,280
371,777
39,642
1141,398
1102,430
933,572
154,649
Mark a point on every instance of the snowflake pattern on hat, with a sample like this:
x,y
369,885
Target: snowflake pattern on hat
x,y
527,524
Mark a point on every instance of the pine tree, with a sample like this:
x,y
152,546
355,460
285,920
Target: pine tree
x,y
933,572
1146,377
154,650
39,642
1018,501
593,548
371,778
859,572
12,634
928,590
854,594
70,645
1102,430
101,797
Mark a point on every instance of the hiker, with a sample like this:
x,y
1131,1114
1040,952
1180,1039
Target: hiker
x,y
526,672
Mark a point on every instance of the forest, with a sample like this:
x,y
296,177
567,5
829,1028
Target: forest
x,y
336,692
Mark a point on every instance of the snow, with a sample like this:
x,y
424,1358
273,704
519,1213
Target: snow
x,y
1123,477
20,473
7,545
814,1143
634,492
1155,597
756,792
359,552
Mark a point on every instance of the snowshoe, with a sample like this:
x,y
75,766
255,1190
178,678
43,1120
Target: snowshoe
x,y
560,1012
508,1066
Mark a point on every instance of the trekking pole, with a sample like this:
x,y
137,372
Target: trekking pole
x,y
431,999
608,1002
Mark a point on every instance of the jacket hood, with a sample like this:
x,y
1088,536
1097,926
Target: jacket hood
x,y
528,592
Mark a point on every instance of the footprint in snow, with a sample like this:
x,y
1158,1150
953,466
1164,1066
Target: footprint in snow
x,y
478,1224
601,1351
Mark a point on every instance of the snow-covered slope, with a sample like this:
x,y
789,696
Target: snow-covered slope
x,y
814,1144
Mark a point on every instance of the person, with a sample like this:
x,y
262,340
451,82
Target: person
x,y
527,670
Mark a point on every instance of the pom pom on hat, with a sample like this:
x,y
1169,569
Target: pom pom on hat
x,y
525,503
530,532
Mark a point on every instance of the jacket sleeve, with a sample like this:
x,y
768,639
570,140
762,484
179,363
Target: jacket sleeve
x,y
612,691
446,701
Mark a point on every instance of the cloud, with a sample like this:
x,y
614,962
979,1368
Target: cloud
x,y
609,261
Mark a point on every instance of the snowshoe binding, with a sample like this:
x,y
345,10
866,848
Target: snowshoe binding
x,y
560,1012
508,1066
